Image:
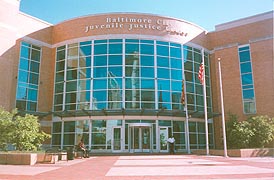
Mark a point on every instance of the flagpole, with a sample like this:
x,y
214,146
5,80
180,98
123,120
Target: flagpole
x,y
222,107
205,103
184,102
187,119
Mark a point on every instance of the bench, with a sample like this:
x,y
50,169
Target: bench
x,y
78,153
53,155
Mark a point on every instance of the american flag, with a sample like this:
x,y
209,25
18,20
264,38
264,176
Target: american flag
x,y
183,93
201,73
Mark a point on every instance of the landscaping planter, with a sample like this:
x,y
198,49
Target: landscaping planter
x,y
256,152
19,158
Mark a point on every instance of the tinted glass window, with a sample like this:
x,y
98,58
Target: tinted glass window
x,y
244,56
147,49
162,51
97,69
132,48
175,52
147,72
100,49
147,60
28,77
115,60
162,62
85,51
163,73
176,63
24,64
246,67
25,52
100,60
247,79
115,48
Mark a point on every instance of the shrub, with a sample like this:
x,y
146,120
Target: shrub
x,y
21,131
256,132
263,129
238,133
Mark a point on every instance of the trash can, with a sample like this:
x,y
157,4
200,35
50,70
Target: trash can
x,y
70,153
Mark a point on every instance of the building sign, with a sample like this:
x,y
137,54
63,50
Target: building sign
x,y
140,23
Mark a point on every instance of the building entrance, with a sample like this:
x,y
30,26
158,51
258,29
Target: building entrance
x,y
140,137
116,139
163,139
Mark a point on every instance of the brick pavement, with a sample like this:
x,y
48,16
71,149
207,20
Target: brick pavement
x,y
145,167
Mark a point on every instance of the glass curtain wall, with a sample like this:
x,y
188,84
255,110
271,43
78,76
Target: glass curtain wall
x,y
28,77
131,74
192,61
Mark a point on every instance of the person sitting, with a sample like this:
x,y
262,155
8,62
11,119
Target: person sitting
x,y
81,147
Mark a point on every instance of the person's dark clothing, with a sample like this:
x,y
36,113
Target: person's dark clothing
x,y
81,147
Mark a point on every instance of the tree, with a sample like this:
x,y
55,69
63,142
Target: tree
x,y
238,133
21,131
6,127
256,132
263,129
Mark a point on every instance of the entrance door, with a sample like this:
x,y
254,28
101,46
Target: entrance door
x,y
163,139
140,139
116,139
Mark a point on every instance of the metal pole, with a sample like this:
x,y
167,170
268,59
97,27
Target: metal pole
x,y
186,110
222,107
187,120
205,104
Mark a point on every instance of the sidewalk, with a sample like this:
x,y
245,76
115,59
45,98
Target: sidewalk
x,y
146,167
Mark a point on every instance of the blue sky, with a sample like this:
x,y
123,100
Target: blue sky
x,y
205,13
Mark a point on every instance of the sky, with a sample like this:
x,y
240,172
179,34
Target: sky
x,y
204,13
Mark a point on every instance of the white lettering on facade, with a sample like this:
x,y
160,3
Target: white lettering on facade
x,y
132,23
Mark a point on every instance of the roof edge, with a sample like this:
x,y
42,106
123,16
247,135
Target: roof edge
x,y
35,18
244,21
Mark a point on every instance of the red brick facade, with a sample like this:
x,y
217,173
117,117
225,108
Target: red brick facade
x,y
257,31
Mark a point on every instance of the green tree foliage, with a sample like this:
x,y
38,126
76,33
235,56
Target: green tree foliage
x,y
238,133
6,127
263,128
21,131
256,132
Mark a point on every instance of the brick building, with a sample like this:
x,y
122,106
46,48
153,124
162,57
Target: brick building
x,y
117,80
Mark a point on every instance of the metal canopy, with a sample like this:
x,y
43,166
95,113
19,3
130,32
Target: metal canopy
x,y
121,112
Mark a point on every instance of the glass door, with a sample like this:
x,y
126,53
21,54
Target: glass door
x,y
146,139
140,139
135,139
163,139
116,139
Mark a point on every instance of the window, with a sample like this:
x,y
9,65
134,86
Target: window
x,y
28,77
248,93
124,73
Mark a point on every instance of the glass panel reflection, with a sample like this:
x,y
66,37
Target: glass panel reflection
x,y
132,48
28,77
147,60
115,60
85,51
115,48
100,49
140,70
147,49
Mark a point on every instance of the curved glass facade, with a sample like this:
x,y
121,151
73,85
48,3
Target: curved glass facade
x,y
129,74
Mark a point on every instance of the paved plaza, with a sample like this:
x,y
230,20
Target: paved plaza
x,y
145,167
